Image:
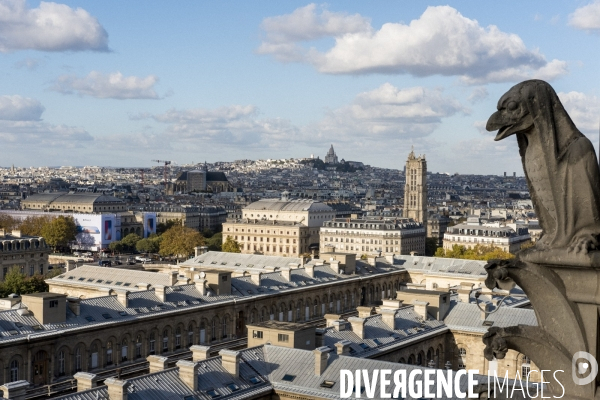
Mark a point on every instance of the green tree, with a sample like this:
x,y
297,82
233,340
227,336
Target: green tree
x,y
479,252
32,226
215,242
16,282
231,245
8,223
117,247
60,231
148,245
131,240
13,281
162,227
207,233
431,246
180,241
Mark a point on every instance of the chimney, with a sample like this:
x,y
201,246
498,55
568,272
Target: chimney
x,y
85,381
335,265
174,277
188,373
123,297
465,291
389,318
74,305
117,389
321,355
200,353
420,308
16,233
342,347
329,318
200,284
390,304
14,390
364,312
157,363
286,273
310,270
142,286
230,361
159,291
2,234
358,326
487,308
256,276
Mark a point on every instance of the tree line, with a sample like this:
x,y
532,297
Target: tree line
x,y
17,282
57,231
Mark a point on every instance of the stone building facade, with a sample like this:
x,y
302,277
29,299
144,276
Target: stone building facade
x,y
28,253
415,189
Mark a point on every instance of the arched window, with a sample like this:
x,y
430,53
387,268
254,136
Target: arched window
x,y
462,358
190,335
109,353
152,342
214,330
14,371
138,346
61,363
178,338
78,359
94,355
165,340
224,328
434,285
419,359
124,349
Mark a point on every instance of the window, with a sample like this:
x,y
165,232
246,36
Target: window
x,y
109,355
288,378
525,367
178,338
462,358
61,363
257,334
78,359
327,384
165,340
152,344
233,387
14,371
283,338
124,350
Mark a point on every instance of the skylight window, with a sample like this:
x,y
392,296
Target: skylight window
x,y
37,328
119,283
488,323
327,384
123,313
364,346
377,342
89,318
81,279
233,387
108,282
99,281
18,324
288,378
212,393
254,380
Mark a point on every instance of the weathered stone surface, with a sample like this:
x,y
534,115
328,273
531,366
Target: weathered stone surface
x,y
561,273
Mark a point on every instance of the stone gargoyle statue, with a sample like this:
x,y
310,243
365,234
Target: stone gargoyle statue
x,y
559,162
561,273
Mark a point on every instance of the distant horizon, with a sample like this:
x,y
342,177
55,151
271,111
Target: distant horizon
x,y
123,83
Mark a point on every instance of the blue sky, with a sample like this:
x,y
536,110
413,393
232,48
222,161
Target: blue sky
x,y
117,83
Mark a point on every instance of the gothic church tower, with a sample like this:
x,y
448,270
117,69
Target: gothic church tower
x,y
415,190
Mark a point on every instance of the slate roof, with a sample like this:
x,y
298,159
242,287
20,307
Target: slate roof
x,y
441,266
287,205
467,317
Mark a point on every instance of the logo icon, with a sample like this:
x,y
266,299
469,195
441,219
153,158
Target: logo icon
x,y
584,363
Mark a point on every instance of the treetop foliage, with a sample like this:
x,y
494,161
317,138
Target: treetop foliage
x,y
479,252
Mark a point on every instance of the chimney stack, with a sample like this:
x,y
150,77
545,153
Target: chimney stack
x,y
256,277
230,361
123,297
343,347
85,381
200,353
117,389
159,291
364,312
329,318
389,318
390,304
200,285
188,373
174,277
358,326
157,363
421,308
286,273
310,270
74,305
464,292
321,355
14,390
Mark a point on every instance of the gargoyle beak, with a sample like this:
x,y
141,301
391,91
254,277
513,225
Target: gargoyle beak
x,y
497,122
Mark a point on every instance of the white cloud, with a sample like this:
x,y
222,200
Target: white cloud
x,y
18,108
50,27
41,134
105,86
586,17
478,94
583,109
441,41
386,113
231,126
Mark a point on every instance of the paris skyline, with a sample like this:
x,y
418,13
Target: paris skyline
x,y
117,84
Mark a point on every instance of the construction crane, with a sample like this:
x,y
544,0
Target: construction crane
x,y
167,163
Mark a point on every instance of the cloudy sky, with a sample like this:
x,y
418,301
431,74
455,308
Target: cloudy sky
x,y
117,83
